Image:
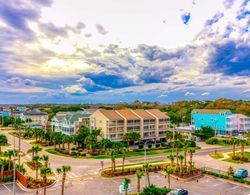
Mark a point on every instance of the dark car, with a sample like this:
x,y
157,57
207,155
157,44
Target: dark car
x,y
178,192
240,173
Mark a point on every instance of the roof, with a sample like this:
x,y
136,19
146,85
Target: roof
x,y
128,114
34,113
143,114
158,113
75,117
111,114
211,111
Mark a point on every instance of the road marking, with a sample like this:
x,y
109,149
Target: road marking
x,y
7,188
217,184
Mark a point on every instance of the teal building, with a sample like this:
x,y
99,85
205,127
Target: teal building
x,y
218,119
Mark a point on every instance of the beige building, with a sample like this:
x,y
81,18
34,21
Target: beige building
x,y
151,124
38,119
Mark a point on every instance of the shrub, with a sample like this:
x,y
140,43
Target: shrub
x,y
158,145
152,189
149,146
164,145
83,154
73,154
140,146
212,140
244,159
191,143
235,157
7,179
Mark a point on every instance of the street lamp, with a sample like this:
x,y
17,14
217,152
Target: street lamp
x,y
14,176
145,159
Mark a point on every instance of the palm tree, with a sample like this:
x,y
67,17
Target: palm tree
x,y
44,172
186,144
69,140
177,144
106,143
234,141
90,141
9,154
64,170
169,136
36,159
126,185
181,158
243,143
3,163
147,167
139,175
169,170
124,151
34,150
191,151
58,139
171,158
3,141
45,158
111,155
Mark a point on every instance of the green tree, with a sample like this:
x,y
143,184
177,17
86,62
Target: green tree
x,y
126,185
153,190
124,151
63,170
44,173
3,163
177,144
242,143
191,151
234,142
147,167
36,160
34,150
112,153
139,175
181,158
45,158
186,144
3,141
205,132
106,143
131,137
9,154
171,158
169,170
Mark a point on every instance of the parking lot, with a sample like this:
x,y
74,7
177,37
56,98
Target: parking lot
x,y
205,186
7,188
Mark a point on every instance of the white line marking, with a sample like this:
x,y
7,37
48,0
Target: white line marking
x,y
7,188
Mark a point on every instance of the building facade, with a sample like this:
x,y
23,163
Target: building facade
x,y
69,122
150,124
220,120
35,119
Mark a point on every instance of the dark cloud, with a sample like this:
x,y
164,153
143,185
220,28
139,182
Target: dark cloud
x,y
231,58
228,3
215,18
101,29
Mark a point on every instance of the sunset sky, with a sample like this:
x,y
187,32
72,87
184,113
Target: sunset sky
x,y
107,51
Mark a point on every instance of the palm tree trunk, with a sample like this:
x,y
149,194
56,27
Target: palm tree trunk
x,y
169,181
148,179
0,149
69,147
36,171
63,181
114,165
9,164
185,157
138,186
2,168
123,160
233,150
45,182
177,154
191,158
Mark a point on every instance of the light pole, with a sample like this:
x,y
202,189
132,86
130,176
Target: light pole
x,y
14,176
145,160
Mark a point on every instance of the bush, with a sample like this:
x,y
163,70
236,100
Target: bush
x,y
191,143
140,146
7,179
149,146
83,154
158,145
212,140
235,157
244,159
152,189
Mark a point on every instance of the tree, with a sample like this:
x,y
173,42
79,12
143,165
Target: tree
x,y
181,158
139,175
3,141
35,160
44,172
45,158
205,132
191,151
243,143
171,158
112,153
147,167
9,154
34,150
64,170
126,185
169,136
186,144
234,141
38,133
90,142
106,143
69,140
3,163
177,144
131,137
153,190
230,171
124,151
169,170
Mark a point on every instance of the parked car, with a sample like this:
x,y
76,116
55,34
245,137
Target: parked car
x,y
240,173
178,192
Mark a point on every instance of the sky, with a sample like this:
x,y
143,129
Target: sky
x,y
110,51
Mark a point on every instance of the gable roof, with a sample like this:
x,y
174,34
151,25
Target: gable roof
x,y
158,113
128,114
144,114
111,114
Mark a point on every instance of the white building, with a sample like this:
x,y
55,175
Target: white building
x,y
35,119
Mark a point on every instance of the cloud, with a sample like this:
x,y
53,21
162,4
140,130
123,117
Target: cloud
x,y
215,18
228,3
162,96
205,94
75,90
189,93
101,29
85,81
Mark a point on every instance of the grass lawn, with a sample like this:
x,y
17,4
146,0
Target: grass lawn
x,y
246,154
217,155
52,151
7,128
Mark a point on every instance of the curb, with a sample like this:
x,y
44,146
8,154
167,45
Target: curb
x,y
35,189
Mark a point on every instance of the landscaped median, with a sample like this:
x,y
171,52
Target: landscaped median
x,y
130,169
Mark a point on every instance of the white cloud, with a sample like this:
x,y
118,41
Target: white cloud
x,y
189,93
75,90
162,96
205,94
